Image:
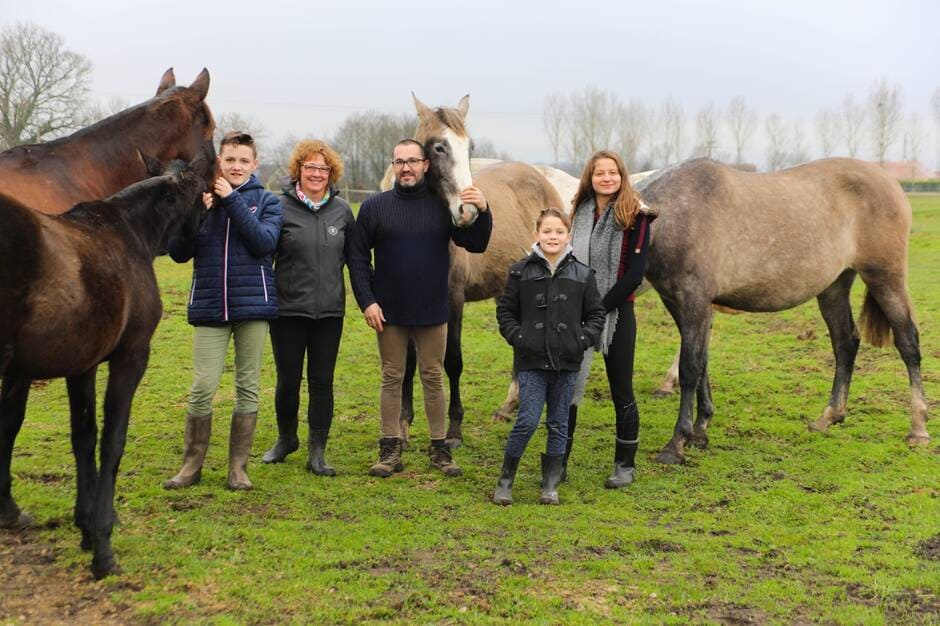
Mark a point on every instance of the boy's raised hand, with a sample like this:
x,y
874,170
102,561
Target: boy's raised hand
x,y
222,187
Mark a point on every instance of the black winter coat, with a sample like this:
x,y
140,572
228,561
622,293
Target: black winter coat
x,y
550,320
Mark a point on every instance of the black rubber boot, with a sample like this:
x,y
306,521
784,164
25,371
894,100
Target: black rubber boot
x,y
551,476
503,493
628,426
316,446
572,424
286,443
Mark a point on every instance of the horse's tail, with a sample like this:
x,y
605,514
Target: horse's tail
x,y
874,323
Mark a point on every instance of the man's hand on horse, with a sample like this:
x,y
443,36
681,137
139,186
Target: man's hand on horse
x,y
374,317
472,195
222,188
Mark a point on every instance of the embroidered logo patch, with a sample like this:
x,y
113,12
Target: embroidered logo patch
x,y
253,209
332,230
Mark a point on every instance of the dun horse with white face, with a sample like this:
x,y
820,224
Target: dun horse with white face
x,y
769,242
516,193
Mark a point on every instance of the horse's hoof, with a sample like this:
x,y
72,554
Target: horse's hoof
x,y
499,416
19,521
818,427
668,457
918,440
454,442
699,441
663,393
104,567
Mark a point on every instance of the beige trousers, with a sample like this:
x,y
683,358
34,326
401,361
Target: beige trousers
x,y
430,342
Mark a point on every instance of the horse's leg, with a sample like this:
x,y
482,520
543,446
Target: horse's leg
x,y
124,373
453,366
407,414
84,439
511,403
889,303
694,321
668,386
836,309
704,407
13,396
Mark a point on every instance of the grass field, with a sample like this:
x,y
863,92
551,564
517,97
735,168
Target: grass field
x,y
772,524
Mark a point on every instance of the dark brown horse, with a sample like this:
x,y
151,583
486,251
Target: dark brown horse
x,y
769,242
516,192
76,290
97,161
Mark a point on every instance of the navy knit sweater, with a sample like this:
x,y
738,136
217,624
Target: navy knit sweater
x,y
410,231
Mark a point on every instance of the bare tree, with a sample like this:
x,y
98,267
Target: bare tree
x,y
798,152
853,121
935,102
591,122
884,102
776,133
486,149
230,121
43,86
632,128
828,131
706,132
673,127
911,144
742,120
365,140
554,120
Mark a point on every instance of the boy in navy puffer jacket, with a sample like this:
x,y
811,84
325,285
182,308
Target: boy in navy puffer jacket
x,y
232,295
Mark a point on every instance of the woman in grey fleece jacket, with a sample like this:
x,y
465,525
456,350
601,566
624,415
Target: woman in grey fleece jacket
x,y
309,278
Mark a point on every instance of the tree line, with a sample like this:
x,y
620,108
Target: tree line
x,y
44,94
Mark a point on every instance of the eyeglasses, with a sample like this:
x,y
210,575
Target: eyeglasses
x,y
412,163
315,167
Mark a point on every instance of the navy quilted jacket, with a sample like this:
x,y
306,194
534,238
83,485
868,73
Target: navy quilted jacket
x,y
232,275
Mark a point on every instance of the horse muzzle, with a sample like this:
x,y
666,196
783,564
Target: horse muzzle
x,y
465,215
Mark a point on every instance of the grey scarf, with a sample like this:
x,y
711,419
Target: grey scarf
x,y
600,245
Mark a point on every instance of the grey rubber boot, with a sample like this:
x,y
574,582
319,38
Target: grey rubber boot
x,y
316,446
240,439
286,443
195,444
389,458
551,476
503,493
624,471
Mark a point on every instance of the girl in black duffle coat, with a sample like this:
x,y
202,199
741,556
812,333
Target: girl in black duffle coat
x,y
550,313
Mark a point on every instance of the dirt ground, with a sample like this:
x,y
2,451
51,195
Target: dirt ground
x,y
36,591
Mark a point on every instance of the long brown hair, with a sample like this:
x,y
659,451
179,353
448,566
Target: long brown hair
x,y
626,202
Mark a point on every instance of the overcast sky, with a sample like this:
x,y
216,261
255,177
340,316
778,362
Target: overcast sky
x,y
300,67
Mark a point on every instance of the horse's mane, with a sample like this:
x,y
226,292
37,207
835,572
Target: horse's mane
x,y
452,119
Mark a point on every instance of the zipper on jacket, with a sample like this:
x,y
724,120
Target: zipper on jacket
x,y
228,223
192,292
264,284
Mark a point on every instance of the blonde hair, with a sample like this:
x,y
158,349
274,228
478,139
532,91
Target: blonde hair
x,y
626,202
305,149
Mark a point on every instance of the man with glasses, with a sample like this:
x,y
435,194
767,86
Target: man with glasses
x,y
403,294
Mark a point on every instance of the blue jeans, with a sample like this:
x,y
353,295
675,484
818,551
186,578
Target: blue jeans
x,y
536,388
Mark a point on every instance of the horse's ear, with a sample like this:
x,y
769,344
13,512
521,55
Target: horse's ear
x,y
200,86
420,107
153,166
464,105
168,80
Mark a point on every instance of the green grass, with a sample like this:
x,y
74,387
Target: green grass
x,y
772,523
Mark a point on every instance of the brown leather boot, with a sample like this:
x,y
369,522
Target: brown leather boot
x,y
441,457
195,444
239,449
389,458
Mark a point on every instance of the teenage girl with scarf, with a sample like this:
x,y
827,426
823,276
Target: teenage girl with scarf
x,y
611,234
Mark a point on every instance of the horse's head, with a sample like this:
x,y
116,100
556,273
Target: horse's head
x,y
184,197
444,136
185,121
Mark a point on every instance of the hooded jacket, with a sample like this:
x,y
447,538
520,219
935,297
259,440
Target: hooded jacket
x,y
548,318
233,279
